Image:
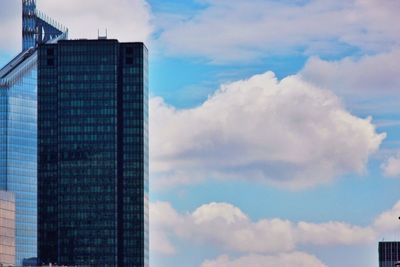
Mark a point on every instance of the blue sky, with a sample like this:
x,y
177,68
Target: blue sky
x,y
274,125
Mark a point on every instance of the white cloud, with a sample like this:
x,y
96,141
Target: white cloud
x,y
126,20
388,220
333,232
370,83
274,241
291,259
163,217
212,211
243,30
378,74
391,168
230,229
159,242
288,133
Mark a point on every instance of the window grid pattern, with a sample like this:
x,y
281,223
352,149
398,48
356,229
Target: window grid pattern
x,y
7,229
93,163
389,253
48,157
18,158
135,154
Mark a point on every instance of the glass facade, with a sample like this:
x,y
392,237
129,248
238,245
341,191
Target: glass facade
x,y
7,229
18,126
389,253
28,24
18,159
93,153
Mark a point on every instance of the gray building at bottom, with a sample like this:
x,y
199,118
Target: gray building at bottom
x,y
389,254
7,229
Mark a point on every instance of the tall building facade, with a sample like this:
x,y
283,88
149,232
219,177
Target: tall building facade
x,y
389,253
18,150
7,229
18,126
93,153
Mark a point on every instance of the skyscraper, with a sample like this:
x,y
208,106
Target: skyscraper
x,y
7,229
18,126
93,153
389,253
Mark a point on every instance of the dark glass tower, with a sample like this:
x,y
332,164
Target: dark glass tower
x,y
93,153
389,253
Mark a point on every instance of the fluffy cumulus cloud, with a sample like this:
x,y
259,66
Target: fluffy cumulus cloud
x,y
377,74
391,167
266,242
291,259
246,30
163,217
215,211
333,233
370,83
388,221
287,133
227,228
127,20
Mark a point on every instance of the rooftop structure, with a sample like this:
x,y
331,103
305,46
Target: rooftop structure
x,y
37,27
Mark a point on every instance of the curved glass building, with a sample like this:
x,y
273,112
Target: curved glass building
x,y
18,125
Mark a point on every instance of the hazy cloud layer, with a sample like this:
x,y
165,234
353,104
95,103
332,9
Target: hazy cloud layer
x,y
246,30
127,20
288,133
227,228
297,259
10,26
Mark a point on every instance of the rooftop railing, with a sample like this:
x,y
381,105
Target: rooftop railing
x,y
51,21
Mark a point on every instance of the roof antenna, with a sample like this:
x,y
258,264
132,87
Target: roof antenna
x,y
101,37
